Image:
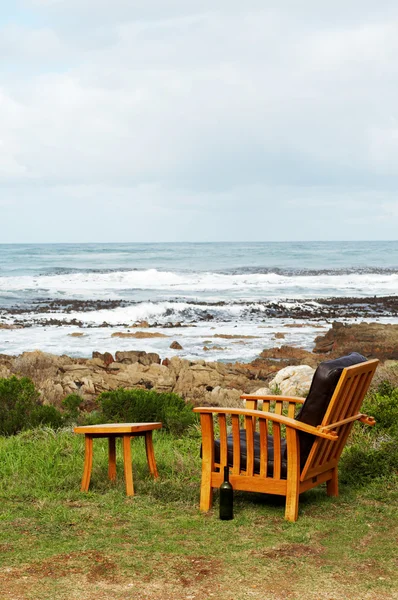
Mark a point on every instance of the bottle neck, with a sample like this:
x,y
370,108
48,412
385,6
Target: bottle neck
x,y
226,474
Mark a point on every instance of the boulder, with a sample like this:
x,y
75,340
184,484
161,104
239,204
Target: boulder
x,y
286,356
293,381
130,357
220,396
373,340
106,357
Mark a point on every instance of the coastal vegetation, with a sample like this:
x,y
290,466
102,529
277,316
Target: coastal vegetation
x,y
56,542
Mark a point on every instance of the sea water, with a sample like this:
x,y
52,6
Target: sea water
x,y
189,292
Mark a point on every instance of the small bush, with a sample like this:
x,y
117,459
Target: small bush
x,y
71,405
20,407
137,405
383,406
373,452
359,464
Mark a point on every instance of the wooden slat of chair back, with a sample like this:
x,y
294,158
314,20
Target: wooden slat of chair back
x,y
222,420
346,402
236,444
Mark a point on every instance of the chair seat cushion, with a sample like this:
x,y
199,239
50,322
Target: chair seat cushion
x,y
243,453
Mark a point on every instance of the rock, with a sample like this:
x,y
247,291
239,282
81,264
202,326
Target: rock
x,y
5,372
226,336
106,357
220,396
115,366
142,324
264,391
215,347
138,334
293,381
286,356
130,357
373,340
279,336
76,334
176,346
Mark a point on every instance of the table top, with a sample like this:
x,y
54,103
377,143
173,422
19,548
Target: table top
x,y
115,428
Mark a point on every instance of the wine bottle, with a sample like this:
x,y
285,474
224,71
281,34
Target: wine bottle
x,y
226,498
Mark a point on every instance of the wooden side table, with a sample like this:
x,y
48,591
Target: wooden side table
x,y
113,430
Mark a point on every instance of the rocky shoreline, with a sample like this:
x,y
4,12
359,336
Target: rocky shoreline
x,y
202,382
33,314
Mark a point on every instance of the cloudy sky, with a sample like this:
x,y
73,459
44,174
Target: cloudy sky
x,y
208,120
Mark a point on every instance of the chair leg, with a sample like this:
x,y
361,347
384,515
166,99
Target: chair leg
x,y
206,493
292,502
293,475
332,486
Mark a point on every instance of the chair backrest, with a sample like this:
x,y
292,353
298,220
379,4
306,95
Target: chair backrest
x,y
323,387
345,403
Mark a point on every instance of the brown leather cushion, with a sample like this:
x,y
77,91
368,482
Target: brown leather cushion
x,y
243,455
321,391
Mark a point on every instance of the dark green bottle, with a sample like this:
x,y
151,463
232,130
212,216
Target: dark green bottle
x,y
226,498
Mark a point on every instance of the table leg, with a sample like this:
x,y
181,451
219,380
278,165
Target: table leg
x,y
128,466
150,455
112,457
88,463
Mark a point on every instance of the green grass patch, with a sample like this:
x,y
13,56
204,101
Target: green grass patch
x,y
56,542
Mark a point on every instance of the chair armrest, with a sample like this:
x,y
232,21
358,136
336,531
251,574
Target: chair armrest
x,y
271,397
359,417
260,414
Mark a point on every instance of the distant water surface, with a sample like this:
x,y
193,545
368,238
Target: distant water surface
x,y
206,287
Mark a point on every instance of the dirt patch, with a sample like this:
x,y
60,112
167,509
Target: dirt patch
x,y
196,569
95,565
290,551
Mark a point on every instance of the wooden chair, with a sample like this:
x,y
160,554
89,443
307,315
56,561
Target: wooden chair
x,y
261,459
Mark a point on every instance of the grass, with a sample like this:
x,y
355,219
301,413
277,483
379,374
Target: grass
x,y
58,543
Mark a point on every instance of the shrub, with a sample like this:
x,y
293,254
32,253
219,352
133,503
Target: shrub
x,y
373,452
359,464
45,414
383,406
20,407
71,404
138,405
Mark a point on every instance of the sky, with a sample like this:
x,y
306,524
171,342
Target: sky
x,y
186,120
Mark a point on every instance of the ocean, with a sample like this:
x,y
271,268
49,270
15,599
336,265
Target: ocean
x,y
219,301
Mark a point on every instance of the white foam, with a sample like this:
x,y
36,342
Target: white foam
x,y
122,284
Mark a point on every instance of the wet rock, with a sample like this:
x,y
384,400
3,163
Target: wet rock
x,y
142,324
176,345
138,334
226,336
